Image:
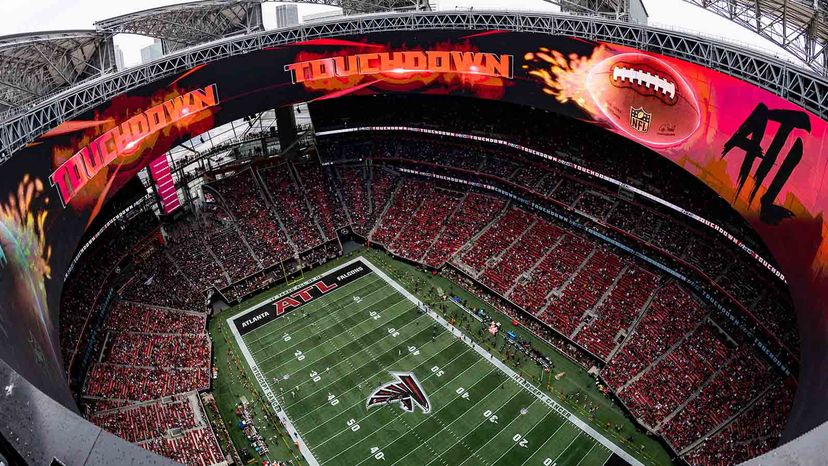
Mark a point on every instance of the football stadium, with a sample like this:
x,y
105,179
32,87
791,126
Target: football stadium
x,y
397,233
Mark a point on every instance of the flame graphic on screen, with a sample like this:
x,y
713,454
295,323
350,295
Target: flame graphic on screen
x,y
27,227
565,76
24,263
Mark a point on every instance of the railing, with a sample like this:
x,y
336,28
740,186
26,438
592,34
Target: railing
x,y
800,86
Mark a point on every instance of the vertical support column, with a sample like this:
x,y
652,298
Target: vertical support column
x,y
286,125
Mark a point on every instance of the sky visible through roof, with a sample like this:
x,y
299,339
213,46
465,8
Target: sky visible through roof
x,y
19,16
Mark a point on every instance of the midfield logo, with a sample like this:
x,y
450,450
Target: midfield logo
x,y
405,390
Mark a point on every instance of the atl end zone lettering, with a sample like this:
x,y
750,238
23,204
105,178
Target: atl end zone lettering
x,y
295,299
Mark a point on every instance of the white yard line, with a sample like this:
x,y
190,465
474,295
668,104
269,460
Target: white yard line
x,y
556,407
567,447
308,365
330,315
608,458
586,454
421,422
384,369
290,321
518,392
527,433
546,399
328,342
498,433
344,360
402,412
540,448
377,410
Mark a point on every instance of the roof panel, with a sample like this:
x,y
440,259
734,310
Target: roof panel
x,y
37,64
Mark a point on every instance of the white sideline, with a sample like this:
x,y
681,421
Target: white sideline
x,y
286,422
271,397
609,444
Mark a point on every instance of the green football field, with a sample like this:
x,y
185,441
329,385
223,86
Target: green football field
x,y
318,364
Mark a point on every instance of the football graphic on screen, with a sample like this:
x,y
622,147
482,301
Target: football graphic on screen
x,y
645,98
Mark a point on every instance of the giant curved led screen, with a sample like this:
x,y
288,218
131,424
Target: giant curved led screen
x,y
762,154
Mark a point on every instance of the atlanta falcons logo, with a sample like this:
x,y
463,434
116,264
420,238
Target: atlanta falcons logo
x,y
405,390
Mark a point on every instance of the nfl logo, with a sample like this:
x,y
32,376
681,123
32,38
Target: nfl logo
x,y
640,119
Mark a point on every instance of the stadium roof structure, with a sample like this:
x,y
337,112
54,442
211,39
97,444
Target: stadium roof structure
x,y
627,10
187,24
370,6
799,26
794,83
36,65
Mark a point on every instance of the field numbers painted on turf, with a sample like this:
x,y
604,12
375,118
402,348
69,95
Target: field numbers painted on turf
x,y
332,399
315,376
437,371
299,355
549,462
286,337
490,416
374,315
378,454
393,332
413,350
353,425
357,299
522,442
462,392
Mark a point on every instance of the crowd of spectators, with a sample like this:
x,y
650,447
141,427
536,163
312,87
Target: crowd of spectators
x,y
402,205
142,383
672,314
140,422
624,302
567,310
381,187
260,280
472,215
566,347
677,371
84,286
426,224
162,350
519,260
551,273
126,316
571,139
197,447
739,381
753,433
175,427
185,244
322,199
685,240
353,185
150,353
495,240
321,254
254,219
157,279
292,206
223,239
655,395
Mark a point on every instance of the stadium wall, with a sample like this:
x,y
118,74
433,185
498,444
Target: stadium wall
x,y
757,150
